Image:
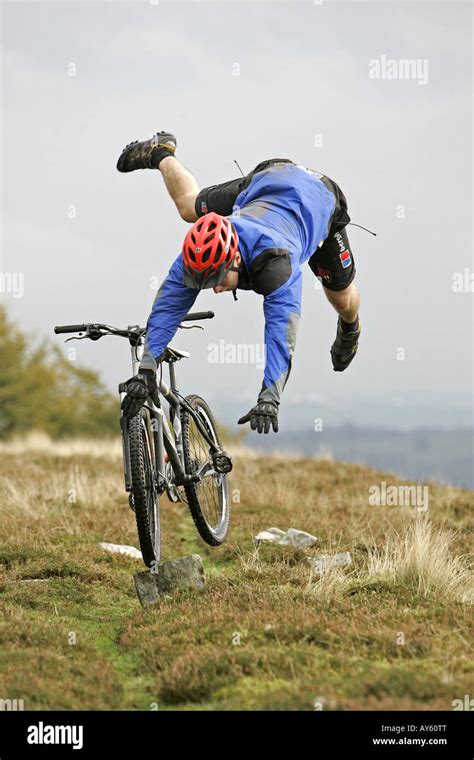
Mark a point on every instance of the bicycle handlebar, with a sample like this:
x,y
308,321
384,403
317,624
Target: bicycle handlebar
x,y
195,315
69,329
95,329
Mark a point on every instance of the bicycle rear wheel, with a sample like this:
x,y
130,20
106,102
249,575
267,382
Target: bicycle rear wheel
x,y
146,498
208,500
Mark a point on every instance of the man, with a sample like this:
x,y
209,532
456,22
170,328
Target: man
x,y
253,233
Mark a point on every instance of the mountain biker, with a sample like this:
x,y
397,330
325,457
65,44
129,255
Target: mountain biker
x,y
253,233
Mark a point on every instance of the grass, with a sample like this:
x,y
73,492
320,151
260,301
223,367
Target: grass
x,y
391,631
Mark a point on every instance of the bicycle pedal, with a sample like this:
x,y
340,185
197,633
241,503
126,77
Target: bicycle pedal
x,y
222,462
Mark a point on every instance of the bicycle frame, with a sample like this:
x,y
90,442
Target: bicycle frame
x,y
166,440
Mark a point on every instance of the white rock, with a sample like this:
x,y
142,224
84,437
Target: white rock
x,y
129,551
325,561
266,535
298,539
276,531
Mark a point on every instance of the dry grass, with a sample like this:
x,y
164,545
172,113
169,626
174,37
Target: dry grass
x,y
422,559
265,633
41,443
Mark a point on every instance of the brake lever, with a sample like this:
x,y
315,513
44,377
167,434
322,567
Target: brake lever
x,y
91,332
75,337
190,327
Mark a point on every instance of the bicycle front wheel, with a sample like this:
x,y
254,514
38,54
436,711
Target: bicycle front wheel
x,y
208,500
146,498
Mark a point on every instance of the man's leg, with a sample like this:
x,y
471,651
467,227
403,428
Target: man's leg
x,y
158,153
346,302
333,263
181,186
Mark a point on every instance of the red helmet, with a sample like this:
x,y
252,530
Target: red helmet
x,y
208,251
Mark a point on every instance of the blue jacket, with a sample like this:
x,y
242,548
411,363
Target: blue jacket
x,y
281,217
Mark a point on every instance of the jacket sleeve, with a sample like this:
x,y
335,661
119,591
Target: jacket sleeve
x,y
172,303
282,310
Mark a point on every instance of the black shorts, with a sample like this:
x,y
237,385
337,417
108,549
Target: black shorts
x,y
221,198
332,262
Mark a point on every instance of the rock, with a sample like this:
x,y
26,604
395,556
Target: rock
x,y
184,572
129,551
276,531
268,535
325,561
298,539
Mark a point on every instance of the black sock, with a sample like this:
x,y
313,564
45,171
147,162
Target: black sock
x,y
158,154
348,327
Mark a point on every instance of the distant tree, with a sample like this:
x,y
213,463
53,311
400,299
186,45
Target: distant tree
x,y
41,390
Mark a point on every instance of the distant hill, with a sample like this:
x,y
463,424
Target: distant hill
x,y
443,455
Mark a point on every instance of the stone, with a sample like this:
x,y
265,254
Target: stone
x,y
298,539
129,551
276,531
184,572
325,561
268,535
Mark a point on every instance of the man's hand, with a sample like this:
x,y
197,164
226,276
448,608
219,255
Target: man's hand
x,y
263,414
138,389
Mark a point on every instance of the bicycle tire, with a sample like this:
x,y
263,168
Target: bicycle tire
x,y
196,493
146,499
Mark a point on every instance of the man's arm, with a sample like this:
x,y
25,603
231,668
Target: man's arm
x,y
172,303
282,310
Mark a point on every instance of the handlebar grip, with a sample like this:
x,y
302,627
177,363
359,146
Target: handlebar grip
x,y
69,329
194,315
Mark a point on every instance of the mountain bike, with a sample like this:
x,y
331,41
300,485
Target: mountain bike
x,y
180,454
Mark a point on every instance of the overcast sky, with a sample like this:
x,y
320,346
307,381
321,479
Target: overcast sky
x,y
245,81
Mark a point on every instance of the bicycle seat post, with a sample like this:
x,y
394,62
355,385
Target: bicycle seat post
x,y
172,376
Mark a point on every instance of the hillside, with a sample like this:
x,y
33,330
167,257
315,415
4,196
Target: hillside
x,y
390,632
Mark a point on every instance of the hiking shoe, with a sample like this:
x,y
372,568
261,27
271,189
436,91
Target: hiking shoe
x,y
147,154
344,347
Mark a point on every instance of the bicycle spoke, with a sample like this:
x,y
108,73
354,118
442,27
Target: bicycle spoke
x,y
210,499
